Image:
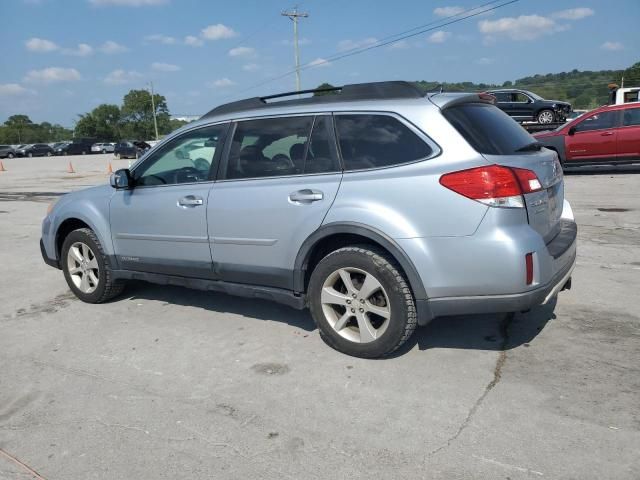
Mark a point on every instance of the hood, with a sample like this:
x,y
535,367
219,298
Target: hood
x,y
546,134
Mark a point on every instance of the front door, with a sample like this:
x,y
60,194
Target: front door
x,y
275,188
594,138
160,225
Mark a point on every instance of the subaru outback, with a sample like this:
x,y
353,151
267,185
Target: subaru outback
x,y
377,207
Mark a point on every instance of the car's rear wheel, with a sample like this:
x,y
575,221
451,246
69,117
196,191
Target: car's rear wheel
x,y
30,155
361,302
546,116
10,155
87,269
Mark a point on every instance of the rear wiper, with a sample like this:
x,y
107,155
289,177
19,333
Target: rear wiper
x,y
529,147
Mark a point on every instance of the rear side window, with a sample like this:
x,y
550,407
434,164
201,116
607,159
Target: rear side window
x,y
373,141
267,147
487,128
631,117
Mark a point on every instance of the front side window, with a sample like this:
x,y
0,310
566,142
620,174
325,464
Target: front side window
x,y
269,147
186,159
373,141
599,121
520,98
631,117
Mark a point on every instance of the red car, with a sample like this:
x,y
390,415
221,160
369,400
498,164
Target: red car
x,y
606,135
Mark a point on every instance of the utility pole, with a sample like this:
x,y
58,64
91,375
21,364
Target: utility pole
x,y
153,106
294,16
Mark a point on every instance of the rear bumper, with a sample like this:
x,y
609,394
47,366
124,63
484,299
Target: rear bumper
x,y
517,302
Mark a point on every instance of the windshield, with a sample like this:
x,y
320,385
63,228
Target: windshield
x,y
488,129
533,95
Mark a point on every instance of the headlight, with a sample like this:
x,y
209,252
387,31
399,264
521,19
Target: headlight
x,y
51,205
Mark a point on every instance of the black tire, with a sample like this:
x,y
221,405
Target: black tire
x,y
104,151
382,266
10,155
84,152
543,116
107,287
30,155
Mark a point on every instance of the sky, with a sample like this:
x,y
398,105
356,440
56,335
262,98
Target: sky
x,y
62,58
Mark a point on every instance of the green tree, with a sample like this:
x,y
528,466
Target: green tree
x,y
85,126
18,124
324,86
107,120
137,115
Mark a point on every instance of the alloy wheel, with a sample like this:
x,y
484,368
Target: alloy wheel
x,y
545,117
83,267
356,305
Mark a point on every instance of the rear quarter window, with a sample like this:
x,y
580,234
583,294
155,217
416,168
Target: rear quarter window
x,y
375,140
487,128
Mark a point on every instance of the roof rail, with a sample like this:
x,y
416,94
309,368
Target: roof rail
x,y
356,91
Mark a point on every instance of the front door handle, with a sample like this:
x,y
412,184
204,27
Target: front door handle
x,y
606,134
190,201
306,196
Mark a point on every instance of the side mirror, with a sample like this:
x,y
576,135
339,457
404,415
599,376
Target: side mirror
x,y
121,179
572,130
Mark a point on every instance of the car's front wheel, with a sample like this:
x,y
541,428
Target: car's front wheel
x,y
361,302
87,269
546,116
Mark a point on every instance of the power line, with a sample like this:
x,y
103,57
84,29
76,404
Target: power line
x,y
469,13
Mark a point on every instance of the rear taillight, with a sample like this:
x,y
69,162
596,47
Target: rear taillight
x,y
493,185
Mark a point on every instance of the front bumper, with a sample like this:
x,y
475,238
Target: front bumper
x,y
52,262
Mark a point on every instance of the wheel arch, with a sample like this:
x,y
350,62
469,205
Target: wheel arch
x,y
337,235
75,221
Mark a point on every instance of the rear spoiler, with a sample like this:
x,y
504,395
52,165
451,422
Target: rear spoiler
x,y
448,100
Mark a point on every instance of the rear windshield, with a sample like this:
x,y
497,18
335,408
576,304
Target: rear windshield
x,y
487,128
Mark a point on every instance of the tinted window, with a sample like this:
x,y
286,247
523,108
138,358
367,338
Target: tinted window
x,y
631,117
502,97
371,141
598,121
488,129
268,147
185,159
520,97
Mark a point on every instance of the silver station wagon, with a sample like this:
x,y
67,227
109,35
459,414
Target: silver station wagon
x,y
377,206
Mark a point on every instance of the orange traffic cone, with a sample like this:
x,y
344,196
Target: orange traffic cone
x,y
2,169
109,168
70,169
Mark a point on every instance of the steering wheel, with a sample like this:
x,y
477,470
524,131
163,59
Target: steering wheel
x,y
201,165
185,172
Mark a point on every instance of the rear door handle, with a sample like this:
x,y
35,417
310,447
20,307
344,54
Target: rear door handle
x,y
306,196
190,201
606,134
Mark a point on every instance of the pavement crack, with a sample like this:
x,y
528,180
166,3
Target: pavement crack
x,y
21,464
497,376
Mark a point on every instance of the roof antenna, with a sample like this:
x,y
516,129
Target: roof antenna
x,y
437,89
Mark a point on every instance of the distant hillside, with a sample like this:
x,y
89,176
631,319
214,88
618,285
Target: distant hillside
x,y
585,90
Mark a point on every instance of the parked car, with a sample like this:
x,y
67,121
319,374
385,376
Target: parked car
x,y
102,147
526,106
7,151
60,148
606,135
379,208
35,150
78,146
130,149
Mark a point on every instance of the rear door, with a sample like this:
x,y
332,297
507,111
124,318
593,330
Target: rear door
x,y
594,138
628,142
521,106
275,188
